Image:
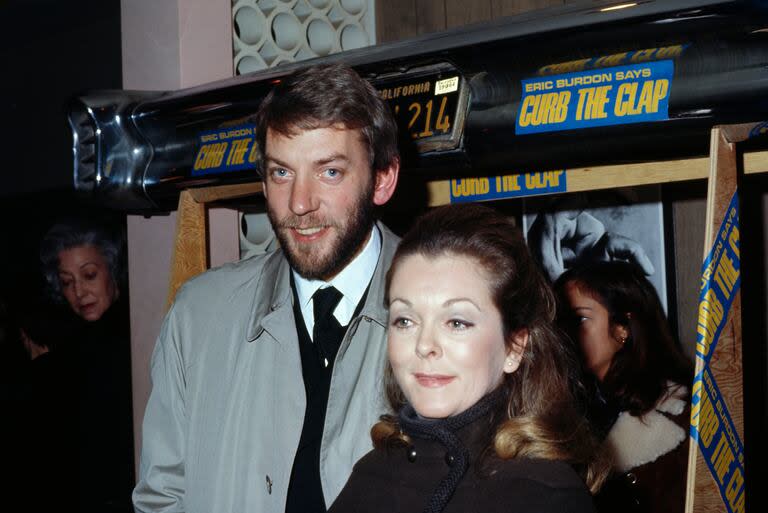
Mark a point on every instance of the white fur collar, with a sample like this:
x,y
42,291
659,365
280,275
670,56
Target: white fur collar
x,y
635,441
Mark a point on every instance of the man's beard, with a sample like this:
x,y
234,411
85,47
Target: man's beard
x,y
351,233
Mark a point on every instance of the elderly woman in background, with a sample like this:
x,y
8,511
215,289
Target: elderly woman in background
x,y
642,400
82,262
482,384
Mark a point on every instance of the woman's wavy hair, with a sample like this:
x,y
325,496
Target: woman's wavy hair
x,y
81,231
541,417
650,357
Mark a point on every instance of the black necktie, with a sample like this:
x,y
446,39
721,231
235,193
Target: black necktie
x,y
327,332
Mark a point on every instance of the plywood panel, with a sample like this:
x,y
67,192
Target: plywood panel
x,y
190,255
501,8
756,162
396,20
209,194
430,15
402,19
461,12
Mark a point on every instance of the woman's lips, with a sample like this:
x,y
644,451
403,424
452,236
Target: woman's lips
x,y
433,380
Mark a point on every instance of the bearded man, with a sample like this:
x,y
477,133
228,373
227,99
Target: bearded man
x,y
267,375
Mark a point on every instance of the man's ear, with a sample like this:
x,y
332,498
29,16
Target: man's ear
x,y
386,181
515,353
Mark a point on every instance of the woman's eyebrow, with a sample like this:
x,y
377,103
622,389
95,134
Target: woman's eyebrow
x,y
461,300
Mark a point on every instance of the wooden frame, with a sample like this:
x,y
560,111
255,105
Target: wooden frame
x,y
711,490
190,249
626,175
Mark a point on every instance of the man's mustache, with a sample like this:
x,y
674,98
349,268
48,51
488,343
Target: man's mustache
x,y
304,222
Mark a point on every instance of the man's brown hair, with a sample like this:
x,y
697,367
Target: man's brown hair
x,y
324,96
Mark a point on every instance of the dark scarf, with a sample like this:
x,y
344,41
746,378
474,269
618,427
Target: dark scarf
x,y
444,431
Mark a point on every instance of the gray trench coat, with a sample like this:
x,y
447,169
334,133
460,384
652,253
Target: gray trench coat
x,y
225,414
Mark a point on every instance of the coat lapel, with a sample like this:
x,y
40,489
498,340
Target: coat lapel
x,y
272,311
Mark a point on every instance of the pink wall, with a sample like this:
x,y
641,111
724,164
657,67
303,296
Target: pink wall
x,y
169,45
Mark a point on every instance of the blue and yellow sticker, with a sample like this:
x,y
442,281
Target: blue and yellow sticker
x,y
635,93
467,190
712,426
616,59
721,448
759,129
720,280
226,149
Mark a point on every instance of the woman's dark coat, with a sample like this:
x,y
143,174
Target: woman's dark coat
x,y
390,481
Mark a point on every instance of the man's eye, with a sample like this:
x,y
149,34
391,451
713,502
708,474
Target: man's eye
x,y
332,172
279,172
91,276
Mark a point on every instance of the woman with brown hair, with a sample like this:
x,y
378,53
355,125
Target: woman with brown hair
x,y
482,383
641,397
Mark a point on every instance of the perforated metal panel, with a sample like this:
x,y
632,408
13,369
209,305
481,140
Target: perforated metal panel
x,y
270,32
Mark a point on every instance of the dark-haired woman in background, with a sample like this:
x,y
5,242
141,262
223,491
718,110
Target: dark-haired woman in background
x,y
642,379
83,263
480,379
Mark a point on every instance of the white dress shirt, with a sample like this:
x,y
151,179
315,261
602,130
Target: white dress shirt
x,y
352,282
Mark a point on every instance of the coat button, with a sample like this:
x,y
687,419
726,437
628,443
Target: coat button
x,y
411,453
269,485
449,459
631,478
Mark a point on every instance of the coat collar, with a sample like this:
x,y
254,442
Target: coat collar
x,y
374,307
635,441
270,310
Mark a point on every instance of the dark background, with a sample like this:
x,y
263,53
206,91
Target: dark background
x,y
50,51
